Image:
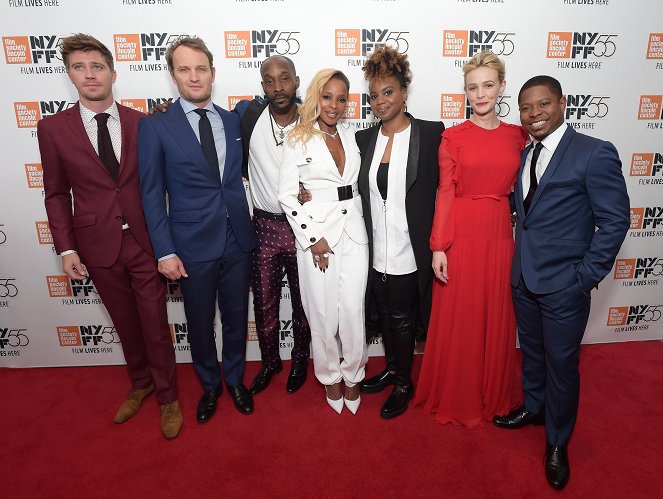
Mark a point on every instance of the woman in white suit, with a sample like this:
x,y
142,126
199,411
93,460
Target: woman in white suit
x,y
332,245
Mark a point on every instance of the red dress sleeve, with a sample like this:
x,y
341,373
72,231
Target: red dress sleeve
x,y
442,234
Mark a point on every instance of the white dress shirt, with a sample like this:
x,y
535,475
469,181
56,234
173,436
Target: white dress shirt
x,y
550,143
113,124
217,128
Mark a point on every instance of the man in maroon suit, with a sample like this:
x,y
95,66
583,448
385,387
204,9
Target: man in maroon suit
x,y
89,152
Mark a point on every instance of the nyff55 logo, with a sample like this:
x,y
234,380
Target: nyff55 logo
x,y
144,105
467,43
633,314
574,45
586,105
62,286
363,42
142,46
179,333
650,217
638,268
90,335
260,43
650,107
32,49
13,337
28,114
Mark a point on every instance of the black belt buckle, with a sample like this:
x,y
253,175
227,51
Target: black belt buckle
x,y
344,192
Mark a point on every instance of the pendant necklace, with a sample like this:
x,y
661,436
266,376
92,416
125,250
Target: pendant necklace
x,y
281,132
332,135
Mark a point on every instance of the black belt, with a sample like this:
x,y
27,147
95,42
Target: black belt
x,y
277,217
344,192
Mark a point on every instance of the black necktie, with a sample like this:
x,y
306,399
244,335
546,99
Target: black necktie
x,y
207,139
533,184
105,145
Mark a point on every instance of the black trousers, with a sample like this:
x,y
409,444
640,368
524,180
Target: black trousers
x,y
396,298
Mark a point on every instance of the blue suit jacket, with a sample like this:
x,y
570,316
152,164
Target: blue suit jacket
x,y
577,220
171,160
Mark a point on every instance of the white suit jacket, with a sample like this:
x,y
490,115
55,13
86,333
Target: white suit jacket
x,y
313,166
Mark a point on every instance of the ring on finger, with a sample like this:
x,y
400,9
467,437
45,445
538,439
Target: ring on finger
x,y
325,255
316,258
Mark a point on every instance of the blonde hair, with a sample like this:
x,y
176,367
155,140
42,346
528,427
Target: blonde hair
x,y
486,59
309,112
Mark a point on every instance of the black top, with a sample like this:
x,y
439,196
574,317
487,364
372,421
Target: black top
x,y
382,177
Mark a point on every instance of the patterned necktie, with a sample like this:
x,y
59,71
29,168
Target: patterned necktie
x,y
533,184
105,145
207,139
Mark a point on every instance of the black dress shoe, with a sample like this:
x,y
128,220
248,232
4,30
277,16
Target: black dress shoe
x,y
242,398
378,382
207,405
297,375
263,378
396,404
557,466
518,418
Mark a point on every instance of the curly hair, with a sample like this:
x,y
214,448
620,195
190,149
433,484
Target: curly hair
x,y
486,59
310,110
387,61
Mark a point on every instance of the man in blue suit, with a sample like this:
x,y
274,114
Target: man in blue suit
x,y
193,152
573,215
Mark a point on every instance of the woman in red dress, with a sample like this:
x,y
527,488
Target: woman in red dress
x,y
469,371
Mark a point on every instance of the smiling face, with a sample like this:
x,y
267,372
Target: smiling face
x,y
332,103
387,97
92,77
280,85
541,111
483,90
193,75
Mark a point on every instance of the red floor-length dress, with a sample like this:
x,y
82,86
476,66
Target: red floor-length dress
x,y
469,372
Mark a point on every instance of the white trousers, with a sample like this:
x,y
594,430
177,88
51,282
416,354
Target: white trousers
x,y
334,304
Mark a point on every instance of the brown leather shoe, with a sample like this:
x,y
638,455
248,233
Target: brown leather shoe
x,y
130,406
171,419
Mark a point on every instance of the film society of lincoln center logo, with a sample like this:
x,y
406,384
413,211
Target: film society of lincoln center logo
x,y
260,44
651,110
457,107
44,235
642,271
587,50
633,317
655,46
647,167
362,42
91,338
467,43
144,105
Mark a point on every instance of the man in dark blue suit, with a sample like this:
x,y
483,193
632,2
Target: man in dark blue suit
x,y
573,215
193,152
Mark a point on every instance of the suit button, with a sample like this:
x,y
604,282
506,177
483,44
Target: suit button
x,y
524,227
303,226
294,213
312,239
344,211
310,217
117,189
118,218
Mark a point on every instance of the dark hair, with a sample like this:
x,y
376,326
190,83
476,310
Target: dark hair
x,y
84,43
544,80
387,61
193,42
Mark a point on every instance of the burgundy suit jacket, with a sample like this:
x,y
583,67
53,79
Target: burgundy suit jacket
x,y
100,203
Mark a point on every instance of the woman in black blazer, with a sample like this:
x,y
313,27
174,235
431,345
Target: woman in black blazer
x,y
398,183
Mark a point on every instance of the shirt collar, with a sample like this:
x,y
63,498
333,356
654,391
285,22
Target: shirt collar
x,y
189,107
552,141
87,115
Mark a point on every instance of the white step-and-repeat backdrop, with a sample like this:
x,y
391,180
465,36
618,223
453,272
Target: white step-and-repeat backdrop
x,y
608,54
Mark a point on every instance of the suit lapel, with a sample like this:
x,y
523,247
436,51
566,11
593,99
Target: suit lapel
x,y
126,126
366,160
553,164
413,154
518,191
76,124
185,137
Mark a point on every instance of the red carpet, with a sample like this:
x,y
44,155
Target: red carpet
x,y
59,441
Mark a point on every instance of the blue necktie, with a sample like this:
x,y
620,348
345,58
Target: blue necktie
x,y
207,139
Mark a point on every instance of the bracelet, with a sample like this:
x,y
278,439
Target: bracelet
x,y
68,252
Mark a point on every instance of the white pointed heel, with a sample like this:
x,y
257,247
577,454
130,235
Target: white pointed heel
x,y
337,405
352,405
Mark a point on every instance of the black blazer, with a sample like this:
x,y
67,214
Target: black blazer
x,y
422,179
